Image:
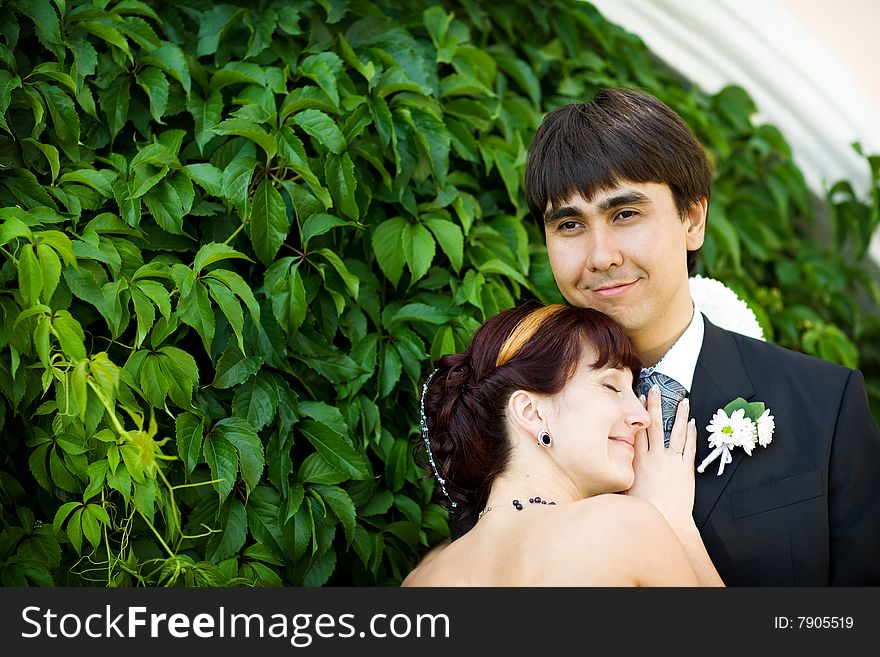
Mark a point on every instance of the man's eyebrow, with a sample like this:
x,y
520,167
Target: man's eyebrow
x,y
630,197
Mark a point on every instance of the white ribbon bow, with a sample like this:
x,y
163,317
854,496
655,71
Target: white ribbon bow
x,y
724,452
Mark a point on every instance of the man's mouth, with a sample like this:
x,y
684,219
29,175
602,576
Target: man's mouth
x,y
613,289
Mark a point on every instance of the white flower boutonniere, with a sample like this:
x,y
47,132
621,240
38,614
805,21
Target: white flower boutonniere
x,y
739,424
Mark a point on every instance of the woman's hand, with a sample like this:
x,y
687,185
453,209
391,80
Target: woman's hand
x,y
665,475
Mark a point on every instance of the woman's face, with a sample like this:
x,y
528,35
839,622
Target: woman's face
x,y
594,421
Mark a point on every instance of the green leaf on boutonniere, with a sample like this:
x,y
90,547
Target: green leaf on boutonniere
x,y
752,410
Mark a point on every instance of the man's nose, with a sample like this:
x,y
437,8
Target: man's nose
x,y
604,251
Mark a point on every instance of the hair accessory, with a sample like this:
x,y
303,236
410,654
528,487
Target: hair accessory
x,y
424,425
523,332
544,438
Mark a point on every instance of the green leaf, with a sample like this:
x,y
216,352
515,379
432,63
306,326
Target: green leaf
x,y
318,224
248,130
450,239
322,128
263,510
206,114
231,538
190,430
522,74
155,85
165,205
434,140
316,469
170,58
335,449
146,315
342,183
114,103
70,334
234,369
236,180
325,414
342,506
30,275
389,370
90,178
213,26
209,177
256,401
158,155
396,465
108,33
157,293
63,512
93,517
269,222
420,312
387,245
214,252
120,481
247,443
242,290
152,381
181,373
418,249
50,153
12,228
352,283
323,68
58,241
222,459
46,24
230,307
195,310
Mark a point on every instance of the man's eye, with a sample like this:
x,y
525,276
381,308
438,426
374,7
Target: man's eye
x,y
568,225
626,214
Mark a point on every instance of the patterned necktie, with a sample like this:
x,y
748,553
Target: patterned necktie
x,y
671,393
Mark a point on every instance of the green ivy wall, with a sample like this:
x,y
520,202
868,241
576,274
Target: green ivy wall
x,y
234,237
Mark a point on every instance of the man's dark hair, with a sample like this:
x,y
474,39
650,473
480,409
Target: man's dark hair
x,y
622,134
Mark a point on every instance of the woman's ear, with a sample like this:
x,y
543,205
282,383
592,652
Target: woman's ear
x,y
524,410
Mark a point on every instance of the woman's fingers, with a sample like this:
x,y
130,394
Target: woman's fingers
x,y
690,449
655,411
678,439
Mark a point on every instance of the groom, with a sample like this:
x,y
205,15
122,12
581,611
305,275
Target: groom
x,y
620,187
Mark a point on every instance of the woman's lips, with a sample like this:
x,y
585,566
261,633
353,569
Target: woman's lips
x,y
622,441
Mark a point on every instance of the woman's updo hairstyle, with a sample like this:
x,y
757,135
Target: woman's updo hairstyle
x,y
531,347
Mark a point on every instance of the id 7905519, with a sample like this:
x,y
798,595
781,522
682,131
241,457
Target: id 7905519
x,y
813,622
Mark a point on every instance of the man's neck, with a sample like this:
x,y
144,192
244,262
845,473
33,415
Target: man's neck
x,y
653,343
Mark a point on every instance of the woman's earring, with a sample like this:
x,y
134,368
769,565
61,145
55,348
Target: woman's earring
x,y
544,439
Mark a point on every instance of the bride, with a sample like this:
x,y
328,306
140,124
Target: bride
x,y
531,431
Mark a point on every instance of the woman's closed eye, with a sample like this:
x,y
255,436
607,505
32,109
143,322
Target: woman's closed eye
x,y
612,388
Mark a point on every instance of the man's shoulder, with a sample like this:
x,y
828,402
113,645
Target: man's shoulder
x,y
761,354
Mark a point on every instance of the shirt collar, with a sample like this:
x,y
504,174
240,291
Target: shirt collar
x,y
681,359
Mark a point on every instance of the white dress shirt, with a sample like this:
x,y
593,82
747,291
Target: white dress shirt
x,y
681,359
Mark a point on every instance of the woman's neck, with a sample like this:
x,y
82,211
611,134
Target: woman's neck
x,y
523,487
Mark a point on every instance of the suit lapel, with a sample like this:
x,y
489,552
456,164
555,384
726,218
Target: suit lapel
x,y
719,378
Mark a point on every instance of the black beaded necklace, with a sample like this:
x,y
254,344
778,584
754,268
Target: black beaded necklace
x,y
517,505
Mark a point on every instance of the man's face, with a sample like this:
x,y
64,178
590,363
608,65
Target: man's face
x,y
625,253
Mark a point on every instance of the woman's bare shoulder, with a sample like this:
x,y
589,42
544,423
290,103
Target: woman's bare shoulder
x,y
610,540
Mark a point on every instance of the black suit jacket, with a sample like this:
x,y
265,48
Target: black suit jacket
x,y
805,510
